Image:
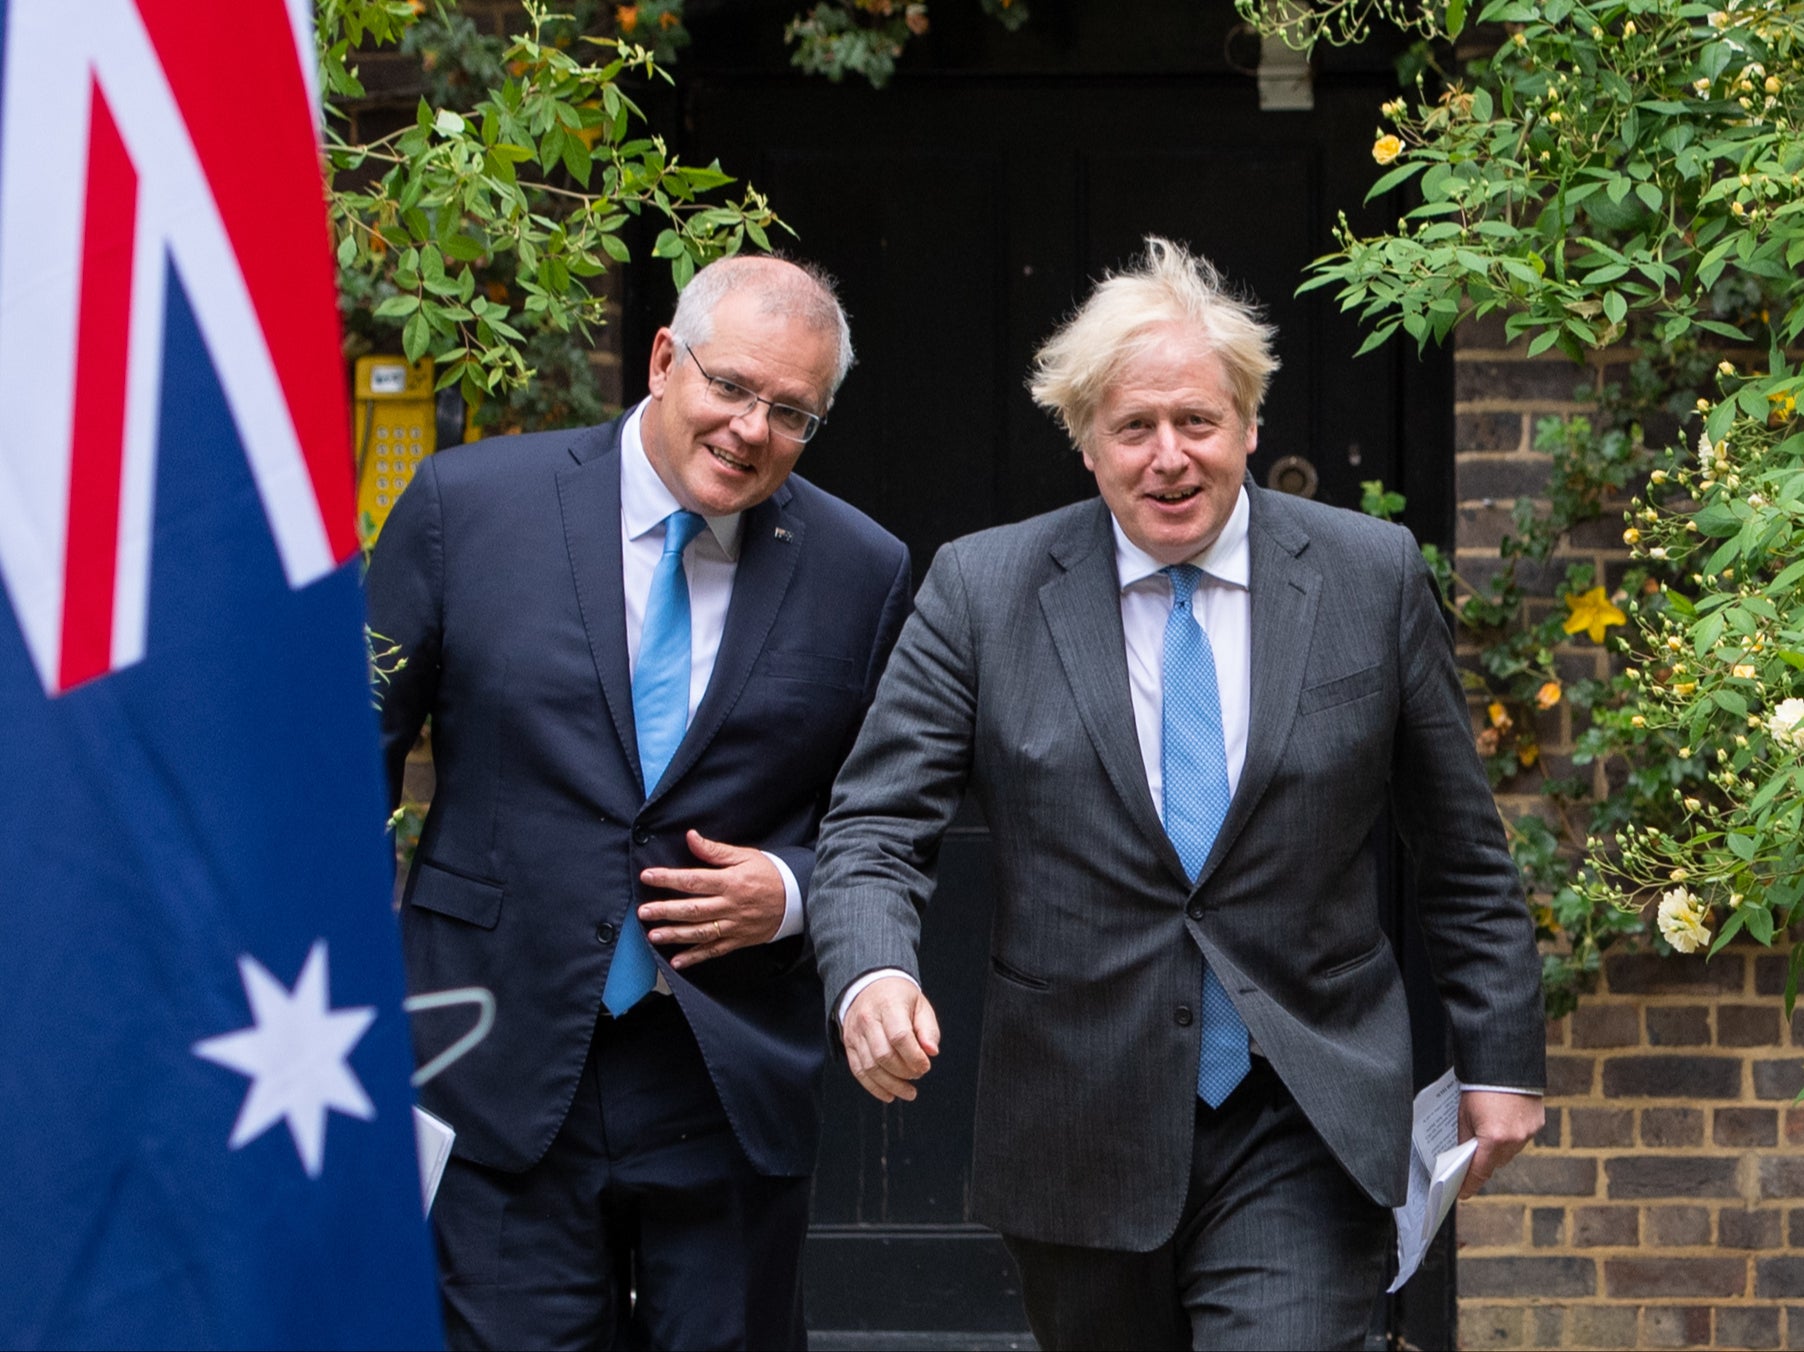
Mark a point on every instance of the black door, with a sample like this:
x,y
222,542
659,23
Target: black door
x,y
965,210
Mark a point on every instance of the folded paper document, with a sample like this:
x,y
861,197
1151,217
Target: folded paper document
x,y
432,1136
1437,1167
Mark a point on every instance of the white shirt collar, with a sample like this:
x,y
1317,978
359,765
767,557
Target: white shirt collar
x,y
1228,560
645,500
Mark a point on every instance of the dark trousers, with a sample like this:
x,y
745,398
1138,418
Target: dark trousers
x,y
1276,1247
644,1226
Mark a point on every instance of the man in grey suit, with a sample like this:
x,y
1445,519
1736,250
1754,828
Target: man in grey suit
x,y
1183,709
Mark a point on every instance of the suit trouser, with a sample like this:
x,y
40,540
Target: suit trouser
x,y
644,1226
1276,1247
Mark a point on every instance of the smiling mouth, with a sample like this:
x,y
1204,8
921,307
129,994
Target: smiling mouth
x,y
731,462
1175,495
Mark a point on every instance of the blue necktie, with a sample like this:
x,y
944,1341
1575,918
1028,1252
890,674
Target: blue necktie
x,y
1196,802
660,718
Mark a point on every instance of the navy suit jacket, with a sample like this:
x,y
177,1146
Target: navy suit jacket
x,y
499,576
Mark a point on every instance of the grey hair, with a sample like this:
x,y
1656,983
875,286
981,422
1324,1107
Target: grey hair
x,y
784,287
1119,321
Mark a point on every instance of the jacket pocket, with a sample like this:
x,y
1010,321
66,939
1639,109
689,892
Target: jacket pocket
x,y
1341,690
1017,976
476,901
815,668
1342,968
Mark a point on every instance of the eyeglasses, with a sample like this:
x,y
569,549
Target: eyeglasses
x,y
798,424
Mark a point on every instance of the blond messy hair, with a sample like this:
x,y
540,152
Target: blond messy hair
x,y
1167,284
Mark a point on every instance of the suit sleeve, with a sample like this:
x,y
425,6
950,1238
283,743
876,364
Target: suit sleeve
x,y
800,858
1476,926
898,792
404,590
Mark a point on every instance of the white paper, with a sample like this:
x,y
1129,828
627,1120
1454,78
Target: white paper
x,y
432,1137
1437,1167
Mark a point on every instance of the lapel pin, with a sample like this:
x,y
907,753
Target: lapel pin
x,y
784,535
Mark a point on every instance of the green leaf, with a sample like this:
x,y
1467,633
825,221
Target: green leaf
x,y
1730,929
396,306
1615,307
416,337
1456,17
1759,922
1376,338
462,248
577,160
1392,177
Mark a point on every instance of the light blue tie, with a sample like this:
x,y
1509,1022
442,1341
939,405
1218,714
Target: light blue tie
x,y
1196,803
660,718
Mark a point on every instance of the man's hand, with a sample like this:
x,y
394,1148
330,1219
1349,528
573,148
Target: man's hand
x,y
1503,1124
891,1037
735,902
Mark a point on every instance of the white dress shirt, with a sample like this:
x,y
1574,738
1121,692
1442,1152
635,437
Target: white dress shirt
x,y
1221,604
710,563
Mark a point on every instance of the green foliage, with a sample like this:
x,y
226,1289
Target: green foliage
x,y
1628,174
476,234
837,38
658,24
1609,160
1301,24
1376,501
834,38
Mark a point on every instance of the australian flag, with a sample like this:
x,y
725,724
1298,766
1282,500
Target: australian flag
x,y
205,1132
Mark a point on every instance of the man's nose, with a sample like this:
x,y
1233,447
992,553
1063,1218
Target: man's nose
x,y
1168,454
753,425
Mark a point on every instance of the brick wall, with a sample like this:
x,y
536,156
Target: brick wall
x,y
1663,1205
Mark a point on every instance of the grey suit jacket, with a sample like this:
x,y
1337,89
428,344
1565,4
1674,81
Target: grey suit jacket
x,y
1011,678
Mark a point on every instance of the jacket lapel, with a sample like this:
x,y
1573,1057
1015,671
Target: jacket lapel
x,y
589,499
1283,593
1082,606
771,540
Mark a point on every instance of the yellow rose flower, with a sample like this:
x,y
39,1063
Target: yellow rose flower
x,y
1548,695
1387,148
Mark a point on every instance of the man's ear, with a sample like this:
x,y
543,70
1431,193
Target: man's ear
x,y
664,356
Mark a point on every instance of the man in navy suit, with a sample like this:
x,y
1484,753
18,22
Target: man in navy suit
x,y
645,649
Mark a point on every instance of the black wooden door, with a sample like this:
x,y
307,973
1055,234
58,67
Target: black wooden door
x,y
965,210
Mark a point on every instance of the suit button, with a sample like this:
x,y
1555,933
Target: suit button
x,y
1183,1016
641,836
604,933
1196,910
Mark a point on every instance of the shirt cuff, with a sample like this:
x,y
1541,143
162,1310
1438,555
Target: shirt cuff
x,y
1501,1089
792,899
853,991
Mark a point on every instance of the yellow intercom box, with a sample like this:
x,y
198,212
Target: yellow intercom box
x,y
394,412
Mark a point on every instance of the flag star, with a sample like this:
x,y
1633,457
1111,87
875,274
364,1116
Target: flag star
x,y
294,1054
